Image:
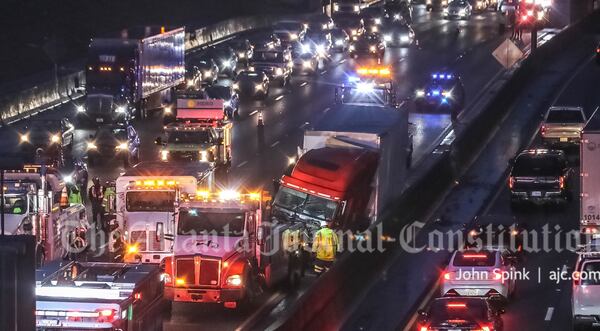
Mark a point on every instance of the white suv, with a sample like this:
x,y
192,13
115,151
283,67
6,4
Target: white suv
x,y
586,289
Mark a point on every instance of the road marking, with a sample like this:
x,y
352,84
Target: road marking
x,y
549,313
250,322
254,112
323,72
428,297
279,98
275,143
326,109
242,164
303,125
303,84
342,61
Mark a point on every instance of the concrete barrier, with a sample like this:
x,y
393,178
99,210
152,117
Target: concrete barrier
x,y
327,303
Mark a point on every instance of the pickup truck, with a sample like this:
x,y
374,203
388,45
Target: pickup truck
x,y
562,126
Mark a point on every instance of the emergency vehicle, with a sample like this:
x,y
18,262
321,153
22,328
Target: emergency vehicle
x,y
147,198
32,205
369,85
98,296
225,249
201,132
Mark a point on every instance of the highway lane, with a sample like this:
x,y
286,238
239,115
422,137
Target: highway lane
x,y
288,110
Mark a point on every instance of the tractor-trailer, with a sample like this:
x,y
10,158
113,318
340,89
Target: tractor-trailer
x,y
132,74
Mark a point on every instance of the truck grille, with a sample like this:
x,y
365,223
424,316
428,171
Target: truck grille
x,y
139,238
198,271
186,270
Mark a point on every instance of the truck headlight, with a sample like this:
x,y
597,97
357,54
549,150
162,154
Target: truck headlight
x,y
234,280
54,139
203,156
164,155
420,93
372,48
339,42
293,36
91,145
122,146
121,109
278,71
24,138
80,109
387,37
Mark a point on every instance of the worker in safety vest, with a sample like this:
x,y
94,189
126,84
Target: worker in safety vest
x,y
325,247
110,194
74,196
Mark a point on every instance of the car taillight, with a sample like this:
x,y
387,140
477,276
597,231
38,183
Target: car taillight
x,y
543,130
424,328
106,315
561,182
511,182
598,50
447,275
486,328
576,278
497,276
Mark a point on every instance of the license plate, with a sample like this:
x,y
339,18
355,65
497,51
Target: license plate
x,y
536,194
454,330
99,120
47,322
564,140
471,292
196,297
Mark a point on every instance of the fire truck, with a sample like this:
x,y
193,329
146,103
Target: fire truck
x,y
98,296
200,132
225,250
147,197
32,206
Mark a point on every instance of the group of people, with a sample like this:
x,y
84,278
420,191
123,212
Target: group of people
x,y
100,197
515,23
325,246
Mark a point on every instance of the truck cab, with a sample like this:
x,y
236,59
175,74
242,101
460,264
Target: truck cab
x,y
219,248
147,199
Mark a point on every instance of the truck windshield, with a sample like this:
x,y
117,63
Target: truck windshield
x,y
190,137
206,222
158,201
565,116
310,205
15,205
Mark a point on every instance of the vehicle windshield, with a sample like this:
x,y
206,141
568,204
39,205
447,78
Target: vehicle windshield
x,y
591,270
565,116
154,201
211,222
189,137
537,166
15,204
268,56
307,204
475,259
445,310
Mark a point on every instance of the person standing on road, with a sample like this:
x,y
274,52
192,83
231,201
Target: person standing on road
x,y
511,16
96,196
74,195
325,247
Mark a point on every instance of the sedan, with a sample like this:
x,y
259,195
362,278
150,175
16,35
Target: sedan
x,y
224,57
460,314
371,44
340,40
117,142
459,9
398,35
251,84
243,48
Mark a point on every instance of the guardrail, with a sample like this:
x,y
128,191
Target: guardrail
x,y
329,301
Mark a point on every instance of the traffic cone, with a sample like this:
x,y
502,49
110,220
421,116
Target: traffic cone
x,y
64,198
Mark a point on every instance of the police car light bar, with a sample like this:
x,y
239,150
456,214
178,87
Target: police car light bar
x,y
441,76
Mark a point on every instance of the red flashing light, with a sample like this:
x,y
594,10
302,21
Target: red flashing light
x,y
106,315
475,256
511,182
137,296
423,328
598,50
543,130
561,182
456,305
485,328
230,304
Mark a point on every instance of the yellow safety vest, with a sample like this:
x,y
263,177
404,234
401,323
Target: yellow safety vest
x,y
325,244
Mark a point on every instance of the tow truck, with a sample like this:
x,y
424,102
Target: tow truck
x,y
147,196
32,206
97,296
225,249
201,132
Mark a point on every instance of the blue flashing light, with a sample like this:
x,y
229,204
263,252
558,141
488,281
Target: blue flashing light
x,y
353,79
435,92
444,100
193,212
434,76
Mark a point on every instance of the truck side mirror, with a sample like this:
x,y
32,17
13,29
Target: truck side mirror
x,y
160,231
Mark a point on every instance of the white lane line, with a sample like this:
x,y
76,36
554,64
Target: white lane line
x,y
275,143
303,84
242,164
254,112
279,98
549,313
342,61
326,109
323,72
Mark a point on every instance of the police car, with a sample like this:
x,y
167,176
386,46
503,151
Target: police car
x,y
460,314
370,44
442,91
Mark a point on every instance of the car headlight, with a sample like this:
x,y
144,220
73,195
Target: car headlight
x,y
320,49
374,29
387,37
80,109
293,36
420,93
91,145
164,155
372,48
241,55
234,280
378,21
167,110
278,71
405,38
396,16
203,156
54,138
445,10
354,32
206,74
447,94
462,11
122,146
24,138
339,42
226,63
306,64
227,104
356,8
351,47
121,109
235,86
305,48
258,87
324,26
